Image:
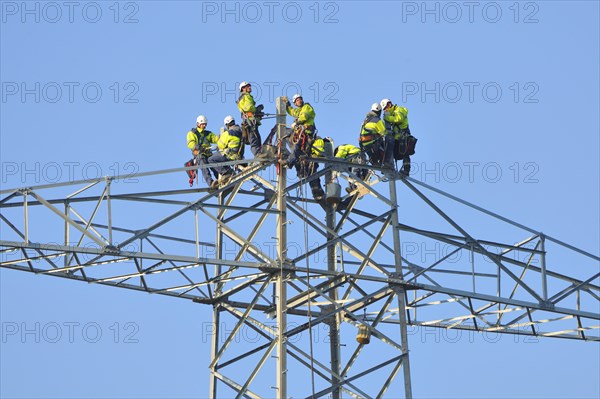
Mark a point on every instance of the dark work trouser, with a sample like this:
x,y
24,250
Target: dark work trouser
x,y
202,161
253,136
216,158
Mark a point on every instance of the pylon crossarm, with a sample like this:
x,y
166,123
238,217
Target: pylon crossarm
x,y
60,250
502,218
67,219
423,270
220,279
571,289
88,223
457,240
195,204
500,257
237,238
180,269
491,256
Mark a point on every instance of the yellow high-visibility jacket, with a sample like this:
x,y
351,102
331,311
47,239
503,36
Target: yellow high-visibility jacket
x,y
373,128
246,104
346,151
202,137
230,141
318,148
396,118
305,114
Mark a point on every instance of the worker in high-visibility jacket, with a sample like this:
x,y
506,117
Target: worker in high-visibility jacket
x,y
251,115
396,123
229,146
375,141
353,154
199,141
318,147
304,128
304,113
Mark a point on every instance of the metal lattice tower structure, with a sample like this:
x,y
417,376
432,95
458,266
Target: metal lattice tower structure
x,y
274,262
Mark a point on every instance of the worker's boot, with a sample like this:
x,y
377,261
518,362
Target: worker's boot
x,y
225,179
405,167
261,153
351,187
317,192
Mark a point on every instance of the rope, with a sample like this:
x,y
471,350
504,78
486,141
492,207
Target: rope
x,y
302,189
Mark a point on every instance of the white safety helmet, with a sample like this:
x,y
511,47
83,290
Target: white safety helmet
x,y
296,96
228,119
376,107
243,84
384,102
329,139
201,119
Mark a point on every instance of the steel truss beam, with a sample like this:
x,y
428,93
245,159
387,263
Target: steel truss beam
x,y
275,284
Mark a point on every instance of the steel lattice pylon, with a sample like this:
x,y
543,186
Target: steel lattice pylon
x,y
272,262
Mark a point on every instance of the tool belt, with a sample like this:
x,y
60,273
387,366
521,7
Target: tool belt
x,y
303,137
367,137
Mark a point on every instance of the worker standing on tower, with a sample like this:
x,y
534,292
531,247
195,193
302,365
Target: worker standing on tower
x,y
396,123
304,129
199,140
304,143
229,145
375,141
251,115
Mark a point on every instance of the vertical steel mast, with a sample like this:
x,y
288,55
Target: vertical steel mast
x,y
281,257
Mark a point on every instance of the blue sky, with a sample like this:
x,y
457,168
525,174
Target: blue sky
x,y
503,96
